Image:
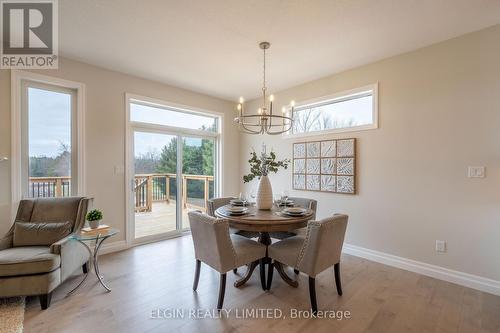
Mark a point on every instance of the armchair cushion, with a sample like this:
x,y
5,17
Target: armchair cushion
x,y
43,233
247,250
287,251
28,260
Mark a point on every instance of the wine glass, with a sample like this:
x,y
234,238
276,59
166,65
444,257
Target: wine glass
x,y
253,194
277,200
284,196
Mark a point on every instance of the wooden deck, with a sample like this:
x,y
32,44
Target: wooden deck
x,y
160,220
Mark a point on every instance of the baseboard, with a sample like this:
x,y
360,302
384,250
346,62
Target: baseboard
x,y
113,247
464,279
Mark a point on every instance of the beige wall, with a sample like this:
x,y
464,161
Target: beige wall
x,y
439,113
105,133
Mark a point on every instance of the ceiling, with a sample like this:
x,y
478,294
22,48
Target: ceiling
x,y
211,46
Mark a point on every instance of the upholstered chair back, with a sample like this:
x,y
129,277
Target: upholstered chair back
x,y
215,203
212,243
47,210
323,244
306,203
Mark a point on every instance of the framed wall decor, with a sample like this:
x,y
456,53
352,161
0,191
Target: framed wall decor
x,y
326,166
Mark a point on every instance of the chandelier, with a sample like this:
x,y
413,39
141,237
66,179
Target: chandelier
x,y
265,121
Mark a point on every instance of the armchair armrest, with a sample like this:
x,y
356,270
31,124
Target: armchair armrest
x,y
73,255
56,248
6,242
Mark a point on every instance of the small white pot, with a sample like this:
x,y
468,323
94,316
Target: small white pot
x,y
94,224
264,194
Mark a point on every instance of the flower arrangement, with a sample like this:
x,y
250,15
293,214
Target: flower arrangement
x,y
263,165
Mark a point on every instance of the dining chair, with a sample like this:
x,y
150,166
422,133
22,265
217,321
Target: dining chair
x,y
311,254
217,248
215,203
298,202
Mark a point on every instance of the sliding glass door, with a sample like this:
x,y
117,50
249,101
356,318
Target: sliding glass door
x,y
155,183
173,168
198,164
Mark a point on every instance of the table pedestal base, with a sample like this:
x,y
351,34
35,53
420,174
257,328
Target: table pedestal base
x,y
265,239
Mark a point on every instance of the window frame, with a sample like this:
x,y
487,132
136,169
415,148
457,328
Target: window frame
x,y
339,97
131,126
20,82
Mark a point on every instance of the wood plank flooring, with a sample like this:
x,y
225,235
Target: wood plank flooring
x,y
160,275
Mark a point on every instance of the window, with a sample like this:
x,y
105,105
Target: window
x,y
173,117
50,117
347,111
47,136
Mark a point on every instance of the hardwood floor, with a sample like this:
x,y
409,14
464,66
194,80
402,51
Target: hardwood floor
x,y
380,299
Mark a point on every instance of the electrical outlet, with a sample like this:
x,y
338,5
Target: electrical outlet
x,y
476,172
440,246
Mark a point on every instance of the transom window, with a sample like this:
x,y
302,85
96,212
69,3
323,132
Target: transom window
x,y
172,117
346,111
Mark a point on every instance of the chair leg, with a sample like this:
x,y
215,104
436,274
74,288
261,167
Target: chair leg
x,y
296,271
45,300
85,268
338,283
312,295
270,270
235,270
222,291
262,268
196,275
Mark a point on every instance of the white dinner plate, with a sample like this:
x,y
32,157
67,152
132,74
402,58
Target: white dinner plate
x,y
295,211
236,209
237,202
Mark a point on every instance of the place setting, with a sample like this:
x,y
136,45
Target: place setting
x,y
292,212
241,201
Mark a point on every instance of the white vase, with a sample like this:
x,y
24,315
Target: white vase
x,y
264,194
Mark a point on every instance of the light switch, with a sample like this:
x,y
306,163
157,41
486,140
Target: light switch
x,y
476,172
440,246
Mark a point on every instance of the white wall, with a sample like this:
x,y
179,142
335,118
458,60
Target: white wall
x,y
105,133
439,113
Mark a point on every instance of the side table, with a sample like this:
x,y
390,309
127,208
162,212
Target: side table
x,y
93,255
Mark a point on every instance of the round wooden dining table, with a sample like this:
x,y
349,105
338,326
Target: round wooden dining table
x,y
265,222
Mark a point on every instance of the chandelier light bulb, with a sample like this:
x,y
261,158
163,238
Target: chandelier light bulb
x,y
292,104
241,100
259,111
271,98
283,110
239,107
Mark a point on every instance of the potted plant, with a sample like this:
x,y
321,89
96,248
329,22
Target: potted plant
x,y
94,217
260,167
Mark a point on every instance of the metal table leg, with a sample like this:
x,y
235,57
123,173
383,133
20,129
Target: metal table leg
x,y
94,262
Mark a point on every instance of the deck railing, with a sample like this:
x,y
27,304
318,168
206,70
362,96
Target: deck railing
x,y
148,188
158,187
46,187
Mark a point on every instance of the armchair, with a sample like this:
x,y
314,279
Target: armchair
x,y
311,254
27,270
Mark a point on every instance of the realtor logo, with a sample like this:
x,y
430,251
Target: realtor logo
x,y
29,34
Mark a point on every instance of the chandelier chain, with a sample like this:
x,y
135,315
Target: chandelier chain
x,y
264,88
